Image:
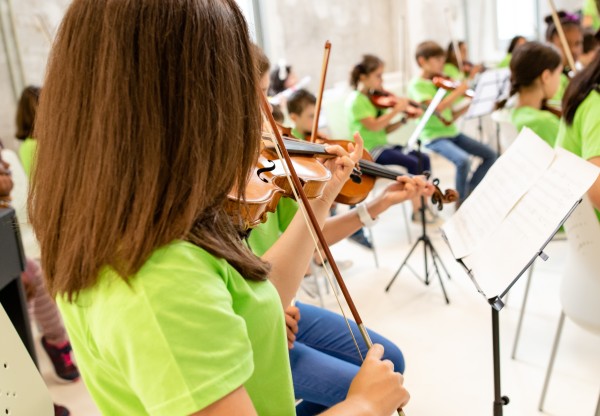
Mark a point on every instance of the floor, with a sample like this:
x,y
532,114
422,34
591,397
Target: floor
x,y
448,348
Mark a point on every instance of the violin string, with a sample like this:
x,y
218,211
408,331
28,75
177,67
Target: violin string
x,y
316,244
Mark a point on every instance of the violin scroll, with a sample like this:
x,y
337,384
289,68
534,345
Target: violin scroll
x,y
440,198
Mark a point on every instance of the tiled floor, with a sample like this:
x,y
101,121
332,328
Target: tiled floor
x,y
448,348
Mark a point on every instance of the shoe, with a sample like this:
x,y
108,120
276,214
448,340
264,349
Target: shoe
x,y
61,410
60,355
361,239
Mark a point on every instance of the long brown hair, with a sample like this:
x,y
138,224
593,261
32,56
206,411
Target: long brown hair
x,y
26,109
151,112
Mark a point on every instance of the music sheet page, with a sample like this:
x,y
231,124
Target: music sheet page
x,y
503,241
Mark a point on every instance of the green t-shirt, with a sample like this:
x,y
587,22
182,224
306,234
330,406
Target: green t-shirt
x,y
560,92
184,332
583,137
590,9
543,123
27,154
421,90
359,107
296,133
263,236
505,62
452,71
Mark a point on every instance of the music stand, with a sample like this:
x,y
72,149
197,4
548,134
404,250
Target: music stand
x,y
428,247
494,246
492,86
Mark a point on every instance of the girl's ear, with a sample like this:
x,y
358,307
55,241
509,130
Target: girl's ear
x,y
545,75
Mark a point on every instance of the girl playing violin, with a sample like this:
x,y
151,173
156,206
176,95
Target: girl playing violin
x,y
579,130
168,311
374,124
536,69
574,34
317,337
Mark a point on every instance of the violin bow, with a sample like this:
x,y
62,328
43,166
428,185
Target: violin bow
x,y
459,57
561,35
315,229
326,53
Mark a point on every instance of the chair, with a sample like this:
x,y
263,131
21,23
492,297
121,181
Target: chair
x,y
506,131
22,389
580,286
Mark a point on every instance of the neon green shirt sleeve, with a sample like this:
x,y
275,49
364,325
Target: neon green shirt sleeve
x,y
27,154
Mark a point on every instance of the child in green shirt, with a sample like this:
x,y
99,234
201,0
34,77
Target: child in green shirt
x,y
441,134
579,130
451,67
374,123
150,118
535,75
26,110
514,43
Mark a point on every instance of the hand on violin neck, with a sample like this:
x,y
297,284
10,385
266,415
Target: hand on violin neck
x,y
401,105
341,167
423,186
397,192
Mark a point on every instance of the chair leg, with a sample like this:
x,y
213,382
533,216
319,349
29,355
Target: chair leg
x,y
598,407
406,223
522,312
552,358
372,239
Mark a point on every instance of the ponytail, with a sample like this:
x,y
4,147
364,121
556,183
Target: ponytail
x,y
579,88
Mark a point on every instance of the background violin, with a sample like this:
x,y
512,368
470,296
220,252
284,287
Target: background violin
x,y
385,99
450,85
360,184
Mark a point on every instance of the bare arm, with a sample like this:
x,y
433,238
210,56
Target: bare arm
x,y
235,403
341,226
383,121
452,97
594,192
287,270
394,126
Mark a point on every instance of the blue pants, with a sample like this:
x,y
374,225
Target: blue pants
x,y
458,149
324,359
410,161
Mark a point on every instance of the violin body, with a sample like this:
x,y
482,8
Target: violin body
x,y
382,99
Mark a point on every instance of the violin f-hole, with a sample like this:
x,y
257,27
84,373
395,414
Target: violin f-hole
x,y
265,169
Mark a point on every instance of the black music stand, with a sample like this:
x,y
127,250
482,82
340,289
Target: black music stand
x,y
428,247
497,304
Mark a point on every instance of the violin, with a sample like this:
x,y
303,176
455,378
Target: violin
x,y
362,181
385,99
450,85
267,183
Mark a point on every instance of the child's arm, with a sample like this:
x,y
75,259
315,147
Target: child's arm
x,y
452,97
383,121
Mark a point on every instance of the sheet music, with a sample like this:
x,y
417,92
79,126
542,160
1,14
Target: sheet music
x,y
499,256
516,171
492,86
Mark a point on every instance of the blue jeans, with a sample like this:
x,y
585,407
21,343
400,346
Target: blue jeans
x,y
410,161
324,359
458,149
